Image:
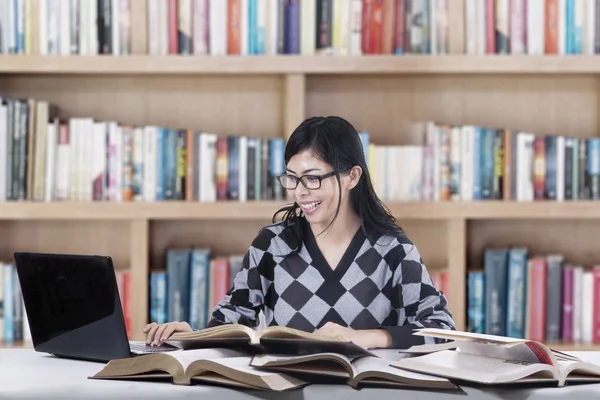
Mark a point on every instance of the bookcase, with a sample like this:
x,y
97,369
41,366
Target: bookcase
x,y
267,96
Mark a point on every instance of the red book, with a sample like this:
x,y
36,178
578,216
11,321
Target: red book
x,y
490,26
173,25
551,27
233,27
537,310
222,168
220,272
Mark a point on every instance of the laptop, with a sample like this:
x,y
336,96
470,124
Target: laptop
x,y
74,309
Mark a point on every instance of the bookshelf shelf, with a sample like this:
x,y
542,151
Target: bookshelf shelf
x,y
299,64
264,210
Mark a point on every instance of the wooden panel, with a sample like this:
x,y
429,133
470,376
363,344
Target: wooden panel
x,y
577,240
79,237
139,245
295,90
430,239
224,238
456,235
169,65
385,105
224,105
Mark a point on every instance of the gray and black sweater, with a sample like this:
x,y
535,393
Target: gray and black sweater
x,y
377,285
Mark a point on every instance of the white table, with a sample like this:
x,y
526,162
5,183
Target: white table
x,y
25,374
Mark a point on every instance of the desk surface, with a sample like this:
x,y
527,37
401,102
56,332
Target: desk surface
x,y
25,374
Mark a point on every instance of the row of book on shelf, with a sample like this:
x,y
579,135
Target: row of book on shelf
x,y
332,27
194,281
469,162
539,297
46,158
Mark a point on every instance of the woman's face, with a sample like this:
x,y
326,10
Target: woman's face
x,y
318,204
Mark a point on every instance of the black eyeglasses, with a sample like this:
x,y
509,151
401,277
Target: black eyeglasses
x,y
311,182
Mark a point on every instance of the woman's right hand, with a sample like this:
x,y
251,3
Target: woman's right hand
x,y
156,334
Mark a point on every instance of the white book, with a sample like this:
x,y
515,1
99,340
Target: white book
x,y
163,27
116,27
470,26
308,28
467,141
42,26
65,27
536,17
590,27
92,27
153,31
517,17
244,37
356,27
49,170
481,24
150,163
84,30
218,27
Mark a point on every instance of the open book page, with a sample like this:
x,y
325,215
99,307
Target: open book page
x,y
543,353
331,364
220,331
524,352
571,371
238,369
376,370
174,363
478,368
186,358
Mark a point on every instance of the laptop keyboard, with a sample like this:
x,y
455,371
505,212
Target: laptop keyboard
x,y
142,347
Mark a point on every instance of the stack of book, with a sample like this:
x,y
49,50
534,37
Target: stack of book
x,y
280,358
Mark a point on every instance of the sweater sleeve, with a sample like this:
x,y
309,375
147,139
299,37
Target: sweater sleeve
x,y
245,299
417,303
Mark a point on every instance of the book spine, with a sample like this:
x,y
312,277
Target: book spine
x,y
537,310
567,302
495,269
554,302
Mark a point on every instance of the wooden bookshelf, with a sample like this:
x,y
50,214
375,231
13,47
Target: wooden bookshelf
x,y
268,96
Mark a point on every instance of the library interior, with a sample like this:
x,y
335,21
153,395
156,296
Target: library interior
x,y
479,121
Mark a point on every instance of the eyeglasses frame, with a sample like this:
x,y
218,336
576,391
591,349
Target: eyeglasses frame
x,y
300,179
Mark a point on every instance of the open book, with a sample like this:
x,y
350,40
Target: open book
x,y
227,367
359,371
491,359
273,339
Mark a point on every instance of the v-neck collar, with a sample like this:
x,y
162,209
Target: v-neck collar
x,y
319,260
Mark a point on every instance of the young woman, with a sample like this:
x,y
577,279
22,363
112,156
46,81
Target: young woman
x,y
337,263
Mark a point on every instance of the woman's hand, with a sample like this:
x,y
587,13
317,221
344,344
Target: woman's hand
x,y
368,339
156,334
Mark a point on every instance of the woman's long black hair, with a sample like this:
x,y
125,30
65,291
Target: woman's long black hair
x,y
335,141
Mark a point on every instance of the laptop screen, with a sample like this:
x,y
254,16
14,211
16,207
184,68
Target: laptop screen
x,y
63,293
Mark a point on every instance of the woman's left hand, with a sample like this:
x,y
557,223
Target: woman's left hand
x,y
367,339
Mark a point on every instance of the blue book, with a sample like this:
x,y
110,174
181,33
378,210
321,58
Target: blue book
x,y
517,285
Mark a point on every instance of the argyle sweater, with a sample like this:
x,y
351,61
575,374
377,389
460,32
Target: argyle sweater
x,y
376,285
